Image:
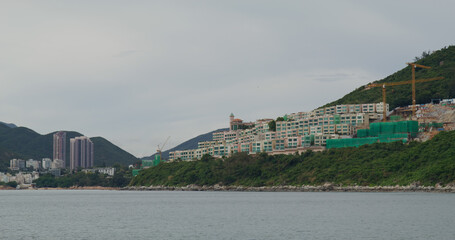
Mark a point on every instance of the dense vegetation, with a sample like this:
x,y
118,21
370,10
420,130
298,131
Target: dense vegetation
x,y
121,178
12,184
21,142
442,63
5,155
429,163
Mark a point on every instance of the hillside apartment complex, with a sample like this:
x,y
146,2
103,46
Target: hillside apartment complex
x,y
298,132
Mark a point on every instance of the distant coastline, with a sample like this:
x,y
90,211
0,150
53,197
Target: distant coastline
x,y
80,188
328,187
3,187
59,188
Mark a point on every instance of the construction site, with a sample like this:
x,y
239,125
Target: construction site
x,y
401,126
338,126
414,122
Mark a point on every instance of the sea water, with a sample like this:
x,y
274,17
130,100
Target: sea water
x,y
102,214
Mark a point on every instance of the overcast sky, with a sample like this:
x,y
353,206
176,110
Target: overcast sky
x,y
136,72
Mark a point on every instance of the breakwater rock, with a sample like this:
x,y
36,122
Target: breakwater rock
x,y
327,187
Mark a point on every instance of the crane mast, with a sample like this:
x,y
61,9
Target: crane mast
x,y
413,67
413,81
158,151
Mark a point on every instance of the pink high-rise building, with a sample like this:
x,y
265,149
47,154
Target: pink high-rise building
x,y
81,153
60,147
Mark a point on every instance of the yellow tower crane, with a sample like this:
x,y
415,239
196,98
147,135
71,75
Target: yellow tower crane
x,y
384,85
413,67
158,151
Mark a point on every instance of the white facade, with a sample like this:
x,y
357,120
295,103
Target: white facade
x,y
32,163
17,164
23,178
57,163
298,130
46,163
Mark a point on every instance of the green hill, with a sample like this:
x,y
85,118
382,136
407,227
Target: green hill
x,y
108,154
377,164
442,63
21,142
429,163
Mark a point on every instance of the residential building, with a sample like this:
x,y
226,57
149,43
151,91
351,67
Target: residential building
x,y
108,171
46,163
380,108
57,164
32,164
60,147
297,132
81,153
17,164
55,171
24,178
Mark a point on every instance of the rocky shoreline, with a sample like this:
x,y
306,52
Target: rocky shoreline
x,y
59,188
80,188
328,187
304,188
3,187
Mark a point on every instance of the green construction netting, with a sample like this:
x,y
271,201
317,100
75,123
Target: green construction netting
x,y
394,127
147,163
395,118
156,162
433,124
362,133
135,172
386,138
350,142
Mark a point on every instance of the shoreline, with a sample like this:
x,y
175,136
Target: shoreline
x,y
80,188
70,188
305,188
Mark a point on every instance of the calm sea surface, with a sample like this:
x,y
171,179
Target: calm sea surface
x,y
93,214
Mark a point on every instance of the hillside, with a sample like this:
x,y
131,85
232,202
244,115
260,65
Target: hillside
x,y
394,163
107,154
429,163
25,143
4,155
190,144
9,124
442,63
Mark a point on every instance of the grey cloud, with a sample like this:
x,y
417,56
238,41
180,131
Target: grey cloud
x,y
126,53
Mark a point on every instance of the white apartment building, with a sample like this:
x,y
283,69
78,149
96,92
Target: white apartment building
x,y
46,163
298,131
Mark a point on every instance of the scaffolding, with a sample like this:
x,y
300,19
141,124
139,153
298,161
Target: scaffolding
x,y
379,132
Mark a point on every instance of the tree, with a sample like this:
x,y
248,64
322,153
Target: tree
x,y
119,180
206,158
424,55
272,125
12,184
